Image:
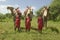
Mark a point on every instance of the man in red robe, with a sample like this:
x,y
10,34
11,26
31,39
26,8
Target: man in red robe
x,y
18,19
40,23
28,23
27,19
17,22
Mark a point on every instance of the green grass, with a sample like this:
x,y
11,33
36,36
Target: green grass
x,y
51,33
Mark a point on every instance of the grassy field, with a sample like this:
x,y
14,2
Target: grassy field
x,y
51,33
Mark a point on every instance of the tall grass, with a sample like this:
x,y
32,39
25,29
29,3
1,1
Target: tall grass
x,y
7,31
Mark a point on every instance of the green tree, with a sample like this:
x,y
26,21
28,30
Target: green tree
x,y
55,10
8,15
2,17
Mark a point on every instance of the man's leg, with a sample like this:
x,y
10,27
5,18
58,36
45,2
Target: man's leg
x,y
15,28
28,27
19,29
19,26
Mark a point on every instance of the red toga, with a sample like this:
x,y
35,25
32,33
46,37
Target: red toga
x,y
40,23
27,23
